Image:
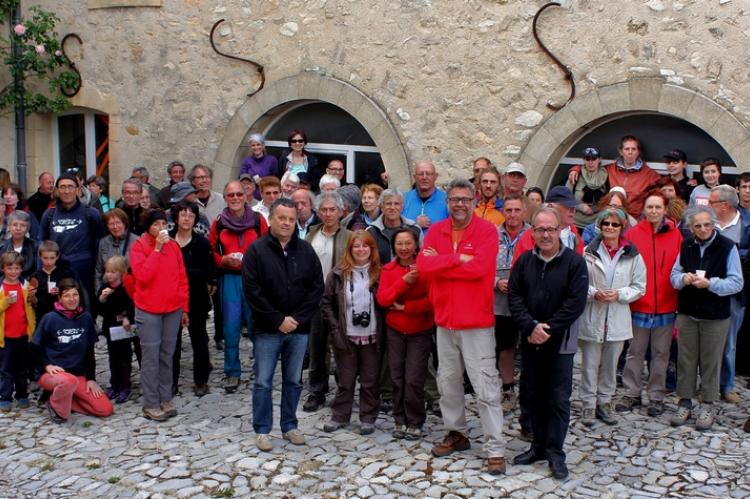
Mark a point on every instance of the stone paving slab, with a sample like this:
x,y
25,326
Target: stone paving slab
x,y
208,450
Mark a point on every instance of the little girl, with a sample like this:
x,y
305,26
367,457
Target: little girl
x,y
117,310
65,340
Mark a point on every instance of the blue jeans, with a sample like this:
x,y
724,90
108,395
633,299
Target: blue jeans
x,y
737,309
268,347
235,310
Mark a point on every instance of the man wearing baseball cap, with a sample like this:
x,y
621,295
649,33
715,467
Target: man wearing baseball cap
x,y
676,164
514,179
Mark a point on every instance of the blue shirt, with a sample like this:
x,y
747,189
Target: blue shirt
x,y
729,285
435,206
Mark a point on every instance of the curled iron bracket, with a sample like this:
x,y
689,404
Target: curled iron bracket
x,y
70,92
563,67
259,67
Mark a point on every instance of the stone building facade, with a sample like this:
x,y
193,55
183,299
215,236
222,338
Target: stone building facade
x,y
448,80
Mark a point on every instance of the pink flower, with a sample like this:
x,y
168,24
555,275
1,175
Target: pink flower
x,y
19,29
58,53
39,49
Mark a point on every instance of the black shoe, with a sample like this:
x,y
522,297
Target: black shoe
x,y
386,406
220,345
53,416
559,470
604,412
531,456
313,403
655,408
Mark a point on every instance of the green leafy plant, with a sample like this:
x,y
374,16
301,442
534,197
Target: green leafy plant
x,y
225,492
39,64
114,479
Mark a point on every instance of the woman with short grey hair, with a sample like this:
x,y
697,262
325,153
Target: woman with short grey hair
x,y
18,223
258,163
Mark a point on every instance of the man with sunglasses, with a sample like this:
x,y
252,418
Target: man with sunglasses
x,y
458,261
548,289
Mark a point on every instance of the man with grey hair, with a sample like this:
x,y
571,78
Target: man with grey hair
x,y
724,201
132,189
176,174
547,293
425,204
458,262
210,203
304,200
329,240
328,183
141,173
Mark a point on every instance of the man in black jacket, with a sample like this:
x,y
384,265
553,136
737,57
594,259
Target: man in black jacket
x,y
283,283
547,292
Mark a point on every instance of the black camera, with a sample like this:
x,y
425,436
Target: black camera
x,y
361,319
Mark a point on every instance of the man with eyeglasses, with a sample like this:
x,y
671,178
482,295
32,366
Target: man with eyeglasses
x,y
425,204
130,204
336,168
724,201
548,289
458,261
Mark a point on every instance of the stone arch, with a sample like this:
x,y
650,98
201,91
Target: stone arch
x,y
563,129
260,109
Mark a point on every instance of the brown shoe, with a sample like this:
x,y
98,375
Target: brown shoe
x,y
452,443
496,465
746,427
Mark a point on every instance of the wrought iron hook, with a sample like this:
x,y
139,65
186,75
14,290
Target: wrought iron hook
x,y
70,92
259,67
563,67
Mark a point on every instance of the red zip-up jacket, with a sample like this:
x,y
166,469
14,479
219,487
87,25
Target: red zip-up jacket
x,y
161,284
461,293
226,241
417,313
659,251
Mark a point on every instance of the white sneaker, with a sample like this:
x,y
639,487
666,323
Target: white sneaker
x,y
295,437
263,442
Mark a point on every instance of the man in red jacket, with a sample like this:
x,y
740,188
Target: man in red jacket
x,y
458,261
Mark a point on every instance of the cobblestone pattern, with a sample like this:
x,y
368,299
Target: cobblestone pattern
x,y
208,450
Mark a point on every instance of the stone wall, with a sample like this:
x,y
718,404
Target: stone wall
x,y
456,79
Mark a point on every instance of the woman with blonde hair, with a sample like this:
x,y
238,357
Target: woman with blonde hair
x,y
351,313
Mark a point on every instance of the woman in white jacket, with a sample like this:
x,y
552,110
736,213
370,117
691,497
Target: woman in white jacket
x,y
617,277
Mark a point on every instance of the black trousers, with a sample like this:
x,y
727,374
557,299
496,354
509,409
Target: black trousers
x,y
199,342
14,365
407,357
317,374
546,385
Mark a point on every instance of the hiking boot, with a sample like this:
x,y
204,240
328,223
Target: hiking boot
x,y
453,442
294,437
331,426
154,414
313,403
680,417
169,409
604,412
200,389
704,420
509,400
231,383
496,465
399,431
731,397
655,408
627,404
366,428
413,433
587,416
263,442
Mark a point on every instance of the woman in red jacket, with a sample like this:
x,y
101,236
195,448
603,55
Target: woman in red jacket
x,y
161,309
409,322
658,241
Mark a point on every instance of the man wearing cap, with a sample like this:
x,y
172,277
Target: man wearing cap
x,y
425,204
514,180
248,185
561,199
176,173
592,185
676,164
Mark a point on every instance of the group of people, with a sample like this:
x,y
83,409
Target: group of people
x,y
418,297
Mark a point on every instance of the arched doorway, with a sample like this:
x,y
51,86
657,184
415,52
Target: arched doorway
x,y
658,134
562,131
260,111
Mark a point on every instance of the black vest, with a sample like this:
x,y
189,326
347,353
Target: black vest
x,y
702,303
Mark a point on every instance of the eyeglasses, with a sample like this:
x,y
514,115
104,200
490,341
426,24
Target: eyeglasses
x,y
712,203
201,177
297,141
706,225
545,230
235,194
457,200
616,225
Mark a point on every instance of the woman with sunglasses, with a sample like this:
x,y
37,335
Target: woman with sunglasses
x,y
297,160
617,277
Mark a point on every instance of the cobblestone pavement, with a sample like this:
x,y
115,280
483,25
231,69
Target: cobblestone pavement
x,y
208,451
